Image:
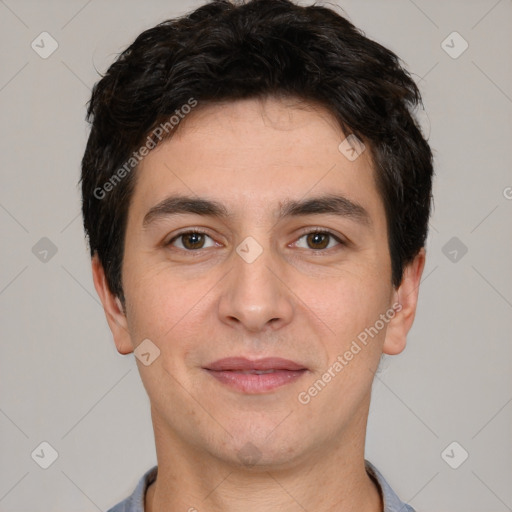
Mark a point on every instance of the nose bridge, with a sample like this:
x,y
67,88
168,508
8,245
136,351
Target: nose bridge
x,y
254,295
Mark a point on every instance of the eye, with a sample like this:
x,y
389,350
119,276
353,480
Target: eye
x,y
319,240
191,240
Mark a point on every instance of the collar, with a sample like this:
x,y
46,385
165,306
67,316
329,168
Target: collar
x,y
135,503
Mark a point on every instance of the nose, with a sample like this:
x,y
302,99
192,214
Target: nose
x,y
255,296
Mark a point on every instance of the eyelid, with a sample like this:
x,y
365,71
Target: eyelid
x,y
188,231
317,229
303,232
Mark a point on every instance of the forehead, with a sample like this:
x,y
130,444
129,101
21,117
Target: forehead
x,y
256,154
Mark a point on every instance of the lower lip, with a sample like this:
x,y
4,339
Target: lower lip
x,y
254,383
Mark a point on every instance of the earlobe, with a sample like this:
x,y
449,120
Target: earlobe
x,y
112,306
406,295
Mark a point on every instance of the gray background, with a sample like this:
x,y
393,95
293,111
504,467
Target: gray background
x,y
62,380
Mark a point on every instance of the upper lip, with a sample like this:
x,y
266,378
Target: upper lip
x,y
244,364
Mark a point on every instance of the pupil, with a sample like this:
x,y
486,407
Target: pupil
x,y
193,240
318,239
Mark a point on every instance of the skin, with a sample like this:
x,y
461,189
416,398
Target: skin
x,y
297,300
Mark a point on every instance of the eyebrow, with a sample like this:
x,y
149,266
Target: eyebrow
x,y
327,204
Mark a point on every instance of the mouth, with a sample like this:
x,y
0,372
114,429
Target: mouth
x,y
255,376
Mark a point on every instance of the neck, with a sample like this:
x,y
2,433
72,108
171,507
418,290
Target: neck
x,y
330,478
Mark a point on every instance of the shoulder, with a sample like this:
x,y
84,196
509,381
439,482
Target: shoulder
x,y
392,503
135,502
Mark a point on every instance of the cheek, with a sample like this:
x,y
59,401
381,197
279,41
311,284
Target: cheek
x,y
346,305
156,302
352,344
168,310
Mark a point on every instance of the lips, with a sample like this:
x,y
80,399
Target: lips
x,y
255,376
242,364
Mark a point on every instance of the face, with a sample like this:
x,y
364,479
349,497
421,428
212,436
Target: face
x,y
258,289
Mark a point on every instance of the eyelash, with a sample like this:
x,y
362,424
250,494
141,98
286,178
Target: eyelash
x,y
322,231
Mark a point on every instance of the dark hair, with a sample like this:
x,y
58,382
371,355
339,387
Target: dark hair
x,y
224,51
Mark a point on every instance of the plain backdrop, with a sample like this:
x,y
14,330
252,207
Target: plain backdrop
x,y
62,381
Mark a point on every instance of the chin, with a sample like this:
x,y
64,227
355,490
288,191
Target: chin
x,y
263,450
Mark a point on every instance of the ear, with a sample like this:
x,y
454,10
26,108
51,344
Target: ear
x,y
116,317
406,297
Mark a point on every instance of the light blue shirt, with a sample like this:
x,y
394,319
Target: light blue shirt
x,y
135,502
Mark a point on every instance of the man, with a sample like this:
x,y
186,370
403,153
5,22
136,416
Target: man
x,y
256,196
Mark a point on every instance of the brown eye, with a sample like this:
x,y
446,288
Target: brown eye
x,y
190,241
193,240
318,240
